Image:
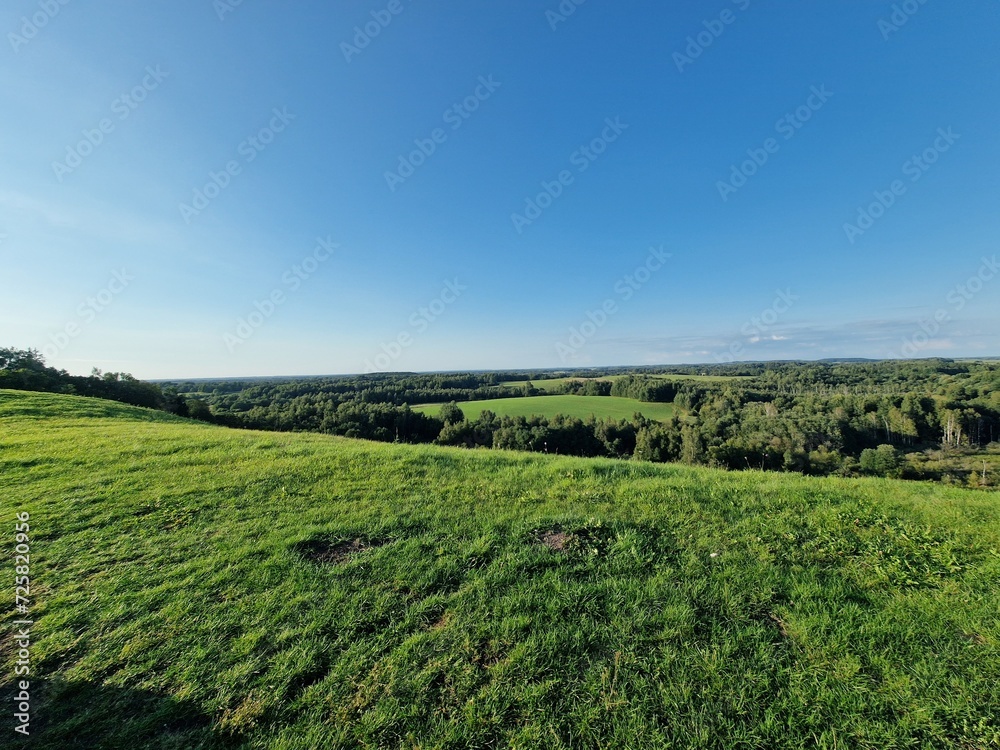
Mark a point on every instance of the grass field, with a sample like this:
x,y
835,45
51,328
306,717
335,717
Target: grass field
x,y
197,587
606,407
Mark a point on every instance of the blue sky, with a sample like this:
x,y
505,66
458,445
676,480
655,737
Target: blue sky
x,y
196,189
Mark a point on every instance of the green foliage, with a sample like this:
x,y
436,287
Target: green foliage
x,y
884,461
451,414
579,387
657,442
195,408
645,388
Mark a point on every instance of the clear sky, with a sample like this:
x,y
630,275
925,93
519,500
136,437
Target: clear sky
x,y
195,189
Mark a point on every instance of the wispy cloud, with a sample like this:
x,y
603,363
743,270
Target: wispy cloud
x,y
85,219
864,338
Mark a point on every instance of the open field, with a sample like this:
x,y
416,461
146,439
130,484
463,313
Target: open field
x,y
194,586
606,407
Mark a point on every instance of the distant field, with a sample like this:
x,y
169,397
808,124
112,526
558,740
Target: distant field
x,y
549,384
606,407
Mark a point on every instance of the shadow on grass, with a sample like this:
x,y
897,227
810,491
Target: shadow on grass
x,y
66,714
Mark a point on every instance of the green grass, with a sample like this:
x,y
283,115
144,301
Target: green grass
x,y
176,605
602,407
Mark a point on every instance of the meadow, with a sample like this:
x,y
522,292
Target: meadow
x,y
195,586
600,407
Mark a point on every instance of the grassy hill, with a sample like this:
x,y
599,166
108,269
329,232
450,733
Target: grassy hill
x,y
195,586
606,407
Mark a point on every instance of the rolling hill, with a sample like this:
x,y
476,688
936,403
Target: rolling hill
x,y
196,586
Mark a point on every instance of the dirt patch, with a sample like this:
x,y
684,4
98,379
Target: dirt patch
x,y
554,540
335,552
590,537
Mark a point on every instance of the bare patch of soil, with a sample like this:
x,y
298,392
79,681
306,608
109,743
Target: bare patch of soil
x,y
329,552
555,540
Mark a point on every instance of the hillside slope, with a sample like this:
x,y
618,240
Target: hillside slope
x,y
194,586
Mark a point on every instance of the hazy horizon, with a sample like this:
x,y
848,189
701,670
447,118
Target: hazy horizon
x,y
292,376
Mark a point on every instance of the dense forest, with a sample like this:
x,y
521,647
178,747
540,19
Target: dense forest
x,y
926,419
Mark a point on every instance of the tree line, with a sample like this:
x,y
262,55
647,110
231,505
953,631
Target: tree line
x,y
926,419
25,370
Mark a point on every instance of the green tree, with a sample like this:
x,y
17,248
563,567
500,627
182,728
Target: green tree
x,y
884,461
198,409
451,414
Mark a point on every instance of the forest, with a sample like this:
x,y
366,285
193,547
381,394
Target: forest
x,y
933,419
